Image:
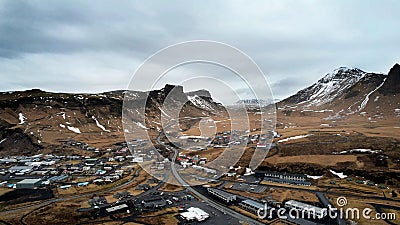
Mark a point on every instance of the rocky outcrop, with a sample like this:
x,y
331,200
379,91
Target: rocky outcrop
x,y
392,83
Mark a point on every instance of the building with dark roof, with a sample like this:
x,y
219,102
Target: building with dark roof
x,y
252,206
283,178
154,203
222,195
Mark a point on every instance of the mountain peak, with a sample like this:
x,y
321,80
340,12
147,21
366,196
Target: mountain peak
x,y
333,86
392,83
342,73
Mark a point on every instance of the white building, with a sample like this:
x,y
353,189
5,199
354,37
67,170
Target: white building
x,y
194,213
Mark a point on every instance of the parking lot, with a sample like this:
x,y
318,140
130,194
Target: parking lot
x,y
255,188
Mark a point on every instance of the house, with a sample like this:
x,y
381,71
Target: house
x,y
83,184
117,208
154,203
97,201
20,169
122,195
29,184
57,179
39,172
65,186
98,181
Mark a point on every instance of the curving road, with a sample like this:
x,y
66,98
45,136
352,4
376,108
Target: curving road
x,y
211,202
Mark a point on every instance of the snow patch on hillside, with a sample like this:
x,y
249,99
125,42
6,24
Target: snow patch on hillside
x,y
74,129
294,138
141,125
21,118
365,101
314,177
99,125
340,175
199,102
3,140
357,150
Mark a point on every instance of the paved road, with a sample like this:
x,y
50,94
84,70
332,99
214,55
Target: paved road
x,y
211,202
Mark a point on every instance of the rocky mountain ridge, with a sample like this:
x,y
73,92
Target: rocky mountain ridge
x,y
34,120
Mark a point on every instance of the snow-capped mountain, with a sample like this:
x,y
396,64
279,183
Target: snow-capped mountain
x,y
350,91
327,88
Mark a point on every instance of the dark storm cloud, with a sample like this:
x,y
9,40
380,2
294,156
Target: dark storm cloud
x,y
94,46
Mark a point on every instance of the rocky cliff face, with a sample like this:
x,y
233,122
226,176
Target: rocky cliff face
x,y
392,83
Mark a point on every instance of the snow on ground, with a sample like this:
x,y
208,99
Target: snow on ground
x,y
192,136
74,129
141,125
63,114
21,118
163,112
199,102
62,125
360,150
365,101
322,111
99,125
327,89
3,140
314,177
325,125
294,138
340,175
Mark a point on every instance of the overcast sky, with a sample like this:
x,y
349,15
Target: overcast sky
x,y
96,46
